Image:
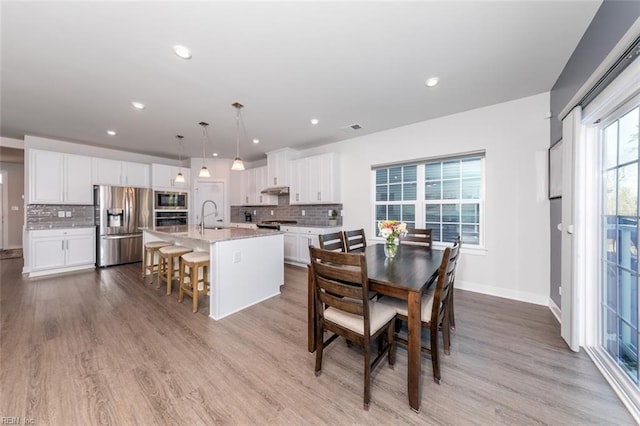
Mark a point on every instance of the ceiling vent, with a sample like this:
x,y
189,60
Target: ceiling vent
x,y
352,127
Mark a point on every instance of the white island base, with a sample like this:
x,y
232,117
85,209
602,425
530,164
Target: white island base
x,y
247,266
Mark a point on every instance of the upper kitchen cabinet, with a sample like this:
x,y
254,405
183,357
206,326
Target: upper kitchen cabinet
x,y
278,167
120,173
315,180
164,177
261,183
57,178
254,180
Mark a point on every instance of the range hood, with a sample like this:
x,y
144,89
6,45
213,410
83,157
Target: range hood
x,y
276,190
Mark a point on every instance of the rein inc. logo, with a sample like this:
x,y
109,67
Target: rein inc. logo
x,y
16,421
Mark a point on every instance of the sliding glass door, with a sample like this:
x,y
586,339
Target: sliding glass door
x,y
619,240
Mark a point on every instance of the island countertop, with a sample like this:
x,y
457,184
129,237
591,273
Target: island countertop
x,y
193,232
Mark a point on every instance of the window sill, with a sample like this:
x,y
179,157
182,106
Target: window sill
x,y
472,250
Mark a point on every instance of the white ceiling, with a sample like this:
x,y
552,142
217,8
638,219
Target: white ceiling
x,y
71,69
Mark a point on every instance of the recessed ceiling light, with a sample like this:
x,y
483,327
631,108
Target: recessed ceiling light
x,y
215,154
431,82
314,121
111,132
256,141
182,51
138,105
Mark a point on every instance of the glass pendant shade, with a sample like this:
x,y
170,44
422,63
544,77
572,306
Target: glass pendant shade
x,y
179,177
237,164
204,172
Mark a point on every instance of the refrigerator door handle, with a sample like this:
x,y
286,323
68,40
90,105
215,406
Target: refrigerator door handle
x,y
120,237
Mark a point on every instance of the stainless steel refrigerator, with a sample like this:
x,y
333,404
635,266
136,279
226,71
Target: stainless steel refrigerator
x,y
120,212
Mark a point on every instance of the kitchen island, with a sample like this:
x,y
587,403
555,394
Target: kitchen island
x,y
247,265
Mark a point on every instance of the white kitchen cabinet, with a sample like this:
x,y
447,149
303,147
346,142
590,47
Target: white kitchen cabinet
x,y
261,183
254,181
57,178
298,187
56,250
250,190
278,167
164,177
297,240
290,247
135,174
315,180
120,173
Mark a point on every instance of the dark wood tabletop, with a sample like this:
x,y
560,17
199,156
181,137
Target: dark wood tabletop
x,y
412,267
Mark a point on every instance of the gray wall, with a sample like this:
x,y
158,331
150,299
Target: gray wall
x,y
609,25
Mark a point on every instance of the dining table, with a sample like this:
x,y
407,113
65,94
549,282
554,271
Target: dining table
x,y
405,276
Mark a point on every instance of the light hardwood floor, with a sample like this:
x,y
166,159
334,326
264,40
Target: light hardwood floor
x,y
100,347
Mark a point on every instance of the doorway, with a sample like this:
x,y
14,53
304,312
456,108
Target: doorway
x,y
213,215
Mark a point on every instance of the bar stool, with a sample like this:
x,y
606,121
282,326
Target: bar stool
x,y
194,261
149,264
167,256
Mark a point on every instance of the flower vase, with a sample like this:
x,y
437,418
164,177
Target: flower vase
x,y
391,248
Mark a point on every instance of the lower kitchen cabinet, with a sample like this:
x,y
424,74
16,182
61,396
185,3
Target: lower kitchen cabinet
x,y
59,250
297,240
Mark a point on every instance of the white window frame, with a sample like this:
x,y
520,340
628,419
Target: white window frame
x,y
420,202
617,97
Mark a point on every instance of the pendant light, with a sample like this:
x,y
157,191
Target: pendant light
x,y
204,172
237,163
179,177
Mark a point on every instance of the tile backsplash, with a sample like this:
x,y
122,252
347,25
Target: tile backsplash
x,y
49,216
315,214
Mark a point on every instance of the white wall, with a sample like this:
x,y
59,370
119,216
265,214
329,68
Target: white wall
x,y
515,137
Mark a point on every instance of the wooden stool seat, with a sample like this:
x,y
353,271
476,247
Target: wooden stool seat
x,y
168,255
192,284
149,264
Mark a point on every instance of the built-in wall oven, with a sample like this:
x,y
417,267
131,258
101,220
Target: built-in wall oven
x,y
168,200
171,218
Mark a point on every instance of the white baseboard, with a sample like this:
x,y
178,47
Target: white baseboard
x,y
59,271
555,310
522,296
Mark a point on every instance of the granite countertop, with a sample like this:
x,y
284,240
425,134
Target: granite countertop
x,y
193,232
41,226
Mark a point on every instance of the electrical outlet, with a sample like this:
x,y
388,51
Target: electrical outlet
x,y
304,213
271,212
236,257
254,212
60,214
329,213
560,290
341,212
68,214
15,208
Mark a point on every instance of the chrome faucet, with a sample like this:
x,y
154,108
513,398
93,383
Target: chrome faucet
x,y
215,206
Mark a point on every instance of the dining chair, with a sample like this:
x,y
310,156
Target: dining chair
x,y
333,241
452,318
435,309
343,308
419,236
355,240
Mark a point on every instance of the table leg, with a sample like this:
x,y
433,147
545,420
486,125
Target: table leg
x,y
311,306
414,373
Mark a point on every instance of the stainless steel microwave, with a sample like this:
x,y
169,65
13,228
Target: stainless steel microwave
x,y
167,200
